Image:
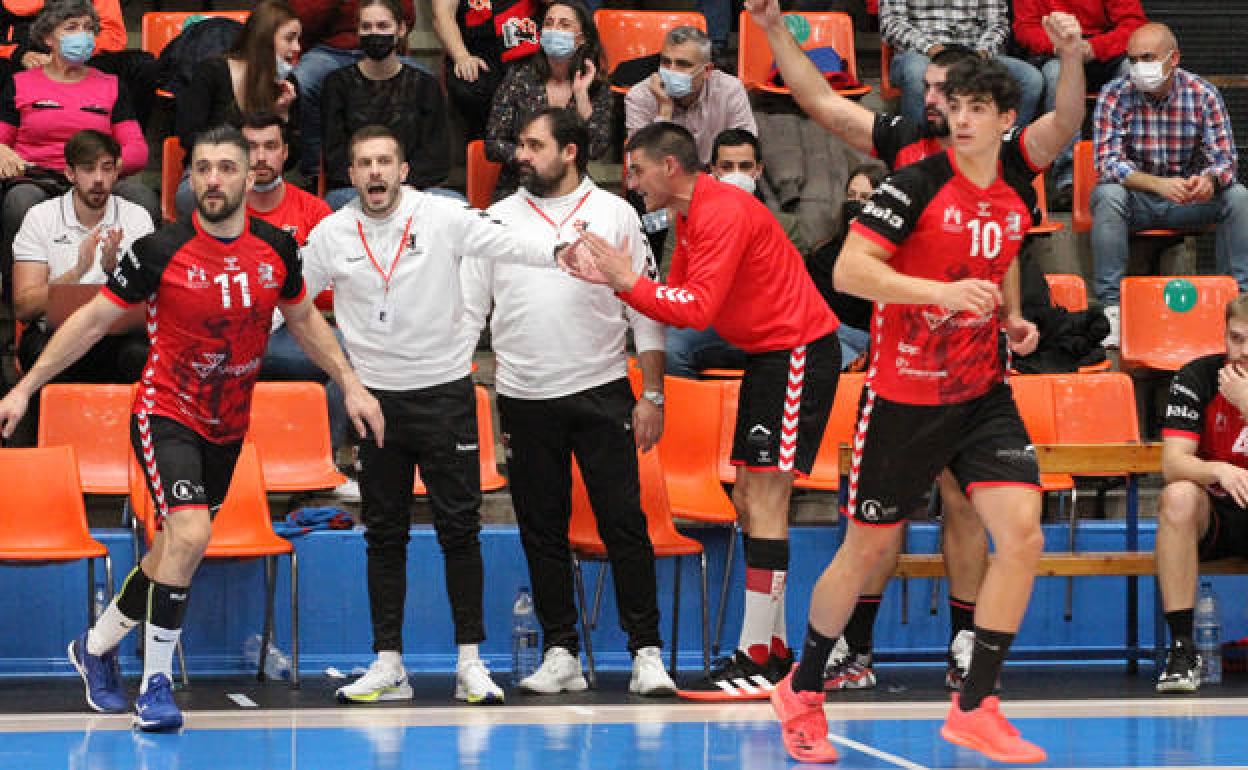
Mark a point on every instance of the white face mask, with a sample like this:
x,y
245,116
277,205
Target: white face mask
x,y
742,180
1148,76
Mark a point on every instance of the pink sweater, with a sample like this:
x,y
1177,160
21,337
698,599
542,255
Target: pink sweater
x,y
38,115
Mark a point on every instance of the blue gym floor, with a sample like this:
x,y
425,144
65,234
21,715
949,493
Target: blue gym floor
x,y
1203,732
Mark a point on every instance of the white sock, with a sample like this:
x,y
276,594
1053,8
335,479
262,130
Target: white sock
x,y
158,657
392,658
109,629
757,624
468,653
778,628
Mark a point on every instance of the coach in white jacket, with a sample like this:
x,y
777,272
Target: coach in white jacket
x,y
563,390
393,257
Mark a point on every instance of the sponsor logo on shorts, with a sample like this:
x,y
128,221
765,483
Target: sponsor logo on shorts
x,y
874,510
184,490
1178,387
1182,410
465,447
1025,454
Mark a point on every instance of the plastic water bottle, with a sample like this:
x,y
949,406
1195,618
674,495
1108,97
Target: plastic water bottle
x,y
276,664
525,649
1208,636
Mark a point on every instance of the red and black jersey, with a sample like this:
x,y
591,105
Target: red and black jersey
x,y
899,141
735,269
501,30
297,214
210,307
1196,410
939,225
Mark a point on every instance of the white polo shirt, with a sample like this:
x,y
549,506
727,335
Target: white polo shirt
x,y
51,233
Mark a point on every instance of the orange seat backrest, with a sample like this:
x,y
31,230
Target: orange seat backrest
x,y
1085,180
689,449
290,428
42,516
159,27
583,527
482,175
1096,408
95,421
827,29
627,35
1033,394
727,429
825,474
171,157
1155,336
1068,291
887,89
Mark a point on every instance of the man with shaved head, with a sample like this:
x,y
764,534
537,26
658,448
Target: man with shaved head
x,y
1165,157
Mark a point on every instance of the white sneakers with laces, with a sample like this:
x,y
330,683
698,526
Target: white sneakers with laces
x,y
560,672
649,676
382,682
474,685
1114,315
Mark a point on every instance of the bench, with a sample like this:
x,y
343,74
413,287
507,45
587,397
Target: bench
x,y
1130,460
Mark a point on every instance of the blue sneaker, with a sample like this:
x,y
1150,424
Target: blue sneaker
x,y
100,675
155,710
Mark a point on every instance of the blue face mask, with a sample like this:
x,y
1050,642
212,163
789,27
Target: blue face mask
x,y
677,84
284,68
77,47
558,43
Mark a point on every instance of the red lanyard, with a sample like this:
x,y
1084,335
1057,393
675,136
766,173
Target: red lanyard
x,y
385,277
564,221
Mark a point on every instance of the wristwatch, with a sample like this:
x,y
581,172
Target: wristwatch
x,y
654,396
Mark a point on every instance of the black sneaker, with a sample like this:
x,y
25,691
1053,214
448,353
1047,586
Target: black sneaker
x,y
737,678
1182,672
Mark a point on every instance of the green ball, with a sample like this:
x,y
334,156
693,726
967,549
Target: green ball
x,y
1180,295
799,28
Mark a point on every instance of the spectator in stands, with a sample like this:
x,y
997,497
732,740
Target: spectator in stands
x,y
563,391
34,127
381,90
689,91
297,212
253,76
1165,157
400,310
566,72
919,29
735,159
75,239
1106,26
330,42
137,69
1203,507
482,40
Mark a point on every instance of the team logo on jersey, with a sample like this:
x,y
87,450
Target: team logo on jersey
x,y
1014,223
231,265
952,221
936,319
985,209
264,271
196,277
519,30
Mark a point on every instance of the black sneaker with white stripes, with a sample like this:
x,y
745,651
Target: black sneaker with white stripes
x,y
1182,672
737,678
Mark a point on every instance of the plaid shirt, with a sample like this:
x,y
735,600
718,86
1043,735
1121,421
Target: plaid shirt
x,y
917,25
1185,133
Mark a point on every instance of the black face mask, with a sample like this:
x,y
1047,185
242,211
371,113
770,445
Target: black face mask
x,y
849,210
377,47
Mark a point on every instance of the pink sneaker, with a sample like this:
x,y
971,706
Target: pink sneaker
x,y
803,724
985,730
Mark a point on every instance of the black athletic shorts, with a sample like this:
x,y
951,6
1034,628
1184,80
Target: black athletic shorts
x,y
1228,529
899,449
183,469
785,399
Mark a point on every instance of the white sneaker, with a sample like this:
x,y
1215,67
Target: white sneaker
x,y
649,676
559,672
474,685
1113,315
348,491
380,682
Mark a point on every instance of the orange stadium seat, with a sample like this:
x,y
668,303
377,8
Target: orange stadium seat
x,y
627,35
42,516
171,157
587,545
1068,291
290,428
482,175
832,28
1045,226
1155,336
887,89
1085,182
241,530
95,421
491,479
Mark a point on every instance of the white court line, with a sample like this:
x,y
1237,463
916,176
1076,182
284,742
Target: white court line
x,y
877,753
242,700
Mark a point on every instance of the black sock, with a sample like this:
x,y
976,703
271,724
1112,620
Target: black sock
x,y
861,624
768,554
168,608
745,546
1180,622
991,648
961,617
132,601
809,672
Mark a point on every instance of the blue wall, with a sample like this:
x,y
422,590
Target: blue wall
x,y
41,608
